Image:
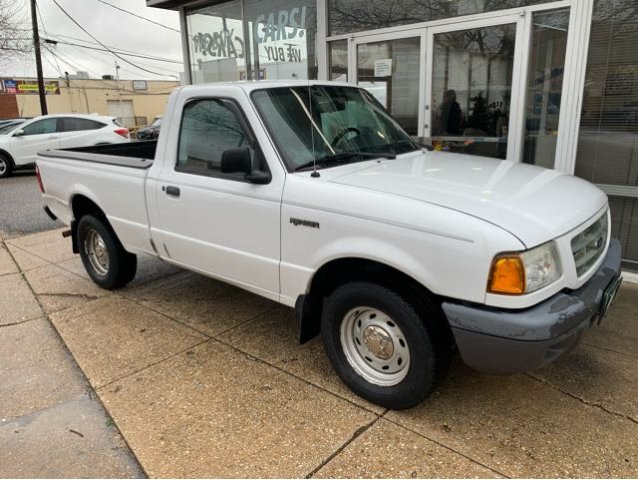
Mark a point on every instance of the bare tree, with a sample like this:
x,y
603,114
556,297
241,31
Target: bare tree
x,y
15,34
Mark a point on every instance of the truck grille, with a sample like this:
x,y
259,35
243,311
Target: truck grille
x,y
588,246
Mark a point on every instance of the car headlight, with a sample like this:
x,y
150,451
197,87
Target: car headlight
x,y
525,272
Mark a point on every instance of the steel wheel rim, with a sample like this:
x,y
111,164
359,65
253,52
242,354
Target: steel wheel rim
x,y
96,252
375,346
3,166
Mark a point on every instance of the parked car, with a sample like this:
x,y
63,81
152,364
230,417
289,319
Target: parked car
x,y
314,197
20,143
151,132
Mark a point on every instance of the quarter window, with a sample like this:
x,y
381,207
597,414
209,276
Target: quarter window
x,y
77,124
41,127
209,127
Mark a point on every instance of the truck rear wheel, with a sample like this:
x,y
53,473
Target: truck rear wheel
x,y
380,345
103,256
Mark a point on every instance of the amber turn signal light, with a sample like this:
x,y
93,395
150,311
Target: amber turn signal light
x,y
507,276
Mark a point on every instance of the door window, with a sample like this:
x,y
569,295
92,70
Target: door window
x,y
77,124
41,127
209,127
390,72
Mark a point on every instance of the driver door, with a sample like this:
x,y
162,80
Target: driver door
x,y
214,222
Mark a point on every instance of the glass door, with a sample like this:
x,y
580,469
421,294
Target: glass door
x,y
473,81
389,67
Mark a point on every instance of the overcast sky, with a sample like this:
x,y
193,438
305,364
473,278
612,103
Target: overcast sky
x,y
113,28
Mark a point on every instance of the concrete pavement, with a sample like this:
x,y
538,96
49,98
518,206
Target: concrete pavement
x,y
205,380
51,425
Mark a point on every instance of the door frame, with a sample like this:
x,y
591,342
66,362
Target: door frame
x,y
574,74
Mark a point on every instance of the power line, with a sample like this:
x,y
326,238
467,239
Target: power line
x,y
113,51
115,54
139,16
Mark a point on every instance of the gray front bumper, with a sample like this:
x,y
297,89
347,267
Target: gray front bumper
x,y
506,341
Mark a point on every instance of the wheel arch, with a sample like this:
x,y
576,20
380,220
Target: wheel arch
x,y
336,272
82,205
9,157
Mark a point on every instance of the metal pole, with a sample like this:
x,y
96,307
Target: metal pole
x,y
38,59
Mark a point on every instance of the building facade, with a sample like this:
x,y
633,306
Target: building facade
x,y
134,102
550,83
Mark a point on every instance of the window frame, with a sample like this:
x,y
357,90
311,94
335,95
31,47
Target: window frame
x,y
251,139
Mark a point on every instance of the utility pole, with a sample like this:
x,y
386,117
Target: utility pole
x,y
38,59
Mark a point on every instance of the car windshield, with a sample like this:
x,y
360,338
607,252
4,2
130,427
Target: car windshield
x,y
9,127
322,123
157,122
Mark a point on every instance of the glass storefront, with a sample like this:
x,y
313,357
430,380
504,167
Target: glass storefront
x,y
252,39
608,137
350,16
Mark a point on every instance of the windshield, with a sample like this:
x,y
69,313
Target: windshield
x,y
316,122
9,127
157,122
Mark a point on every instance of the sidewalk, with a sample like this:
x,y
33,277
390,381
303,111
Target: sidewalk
x,y
206,380
50,423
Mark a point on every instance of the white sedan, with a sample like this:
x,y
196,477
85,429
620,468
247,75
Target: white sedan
x,y
20,145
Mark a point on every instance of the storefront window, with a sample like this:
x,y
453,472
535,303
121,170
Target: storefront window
x,y
275,39
338,57
472,89
350,16
216,43
608,140
544,86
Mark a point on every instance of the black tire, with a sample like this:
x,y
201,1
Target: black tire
x,y
120,265
427,360
6,166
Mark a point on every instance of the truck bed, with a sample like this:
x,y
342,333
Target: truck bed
x,y
132,155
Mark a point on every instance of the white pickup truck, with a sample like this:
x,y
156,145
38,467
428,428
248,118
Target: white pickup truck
x,y
311,195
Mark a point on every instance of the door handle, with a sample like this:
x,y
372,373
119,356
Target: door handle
x,y
171,190
53,137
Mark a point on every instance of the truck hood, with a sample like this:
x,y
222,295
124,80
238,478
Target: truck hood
x,y
533,203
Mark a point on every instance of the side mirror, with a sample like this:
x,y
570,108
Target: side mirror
x,y
18,133
239,160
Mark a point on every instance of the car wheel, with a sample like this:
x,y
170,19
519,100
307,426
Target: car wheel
x,y
379,344
103,256
6,166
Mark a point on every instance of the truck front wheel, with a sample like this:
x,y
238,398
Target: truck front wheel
x,y
379,344
103,256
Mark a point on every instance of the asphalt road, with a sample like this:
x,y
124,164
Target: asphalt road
x,y
21,206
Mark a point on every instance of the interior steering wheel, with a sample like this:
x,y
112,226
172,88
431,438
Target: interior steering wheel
x,y
343,133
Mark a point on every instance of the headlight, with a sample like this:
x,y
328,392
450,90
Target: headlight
x,y
525,272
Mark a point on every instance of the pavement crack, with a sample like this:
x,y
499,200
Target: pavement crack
x,y
13,324
71,295
582,400
101,387
358,432
457,452
607,349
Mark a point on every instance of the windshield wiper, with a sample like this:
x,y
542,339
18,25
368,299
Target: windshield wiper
x,y
342,157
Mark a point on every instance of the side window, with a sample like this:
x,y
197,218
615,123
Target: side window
x,y
70,124
209,127
41,127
